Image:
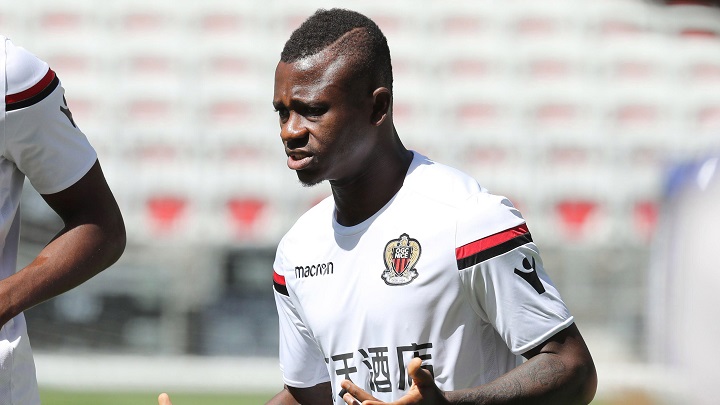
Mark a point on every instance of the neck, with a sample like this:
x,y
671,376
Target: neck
x,y
359,198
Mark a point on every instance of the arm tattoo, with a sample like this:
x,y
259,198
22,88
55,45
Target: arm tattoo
x,y
533,379
502,391
506,391
547,373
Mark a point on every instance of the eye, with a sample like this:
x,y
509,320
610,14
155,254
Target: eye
x,y
315,111
282,113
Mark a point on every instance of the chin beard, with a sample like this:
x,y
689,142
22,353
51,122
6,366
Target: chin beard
x,y
309,182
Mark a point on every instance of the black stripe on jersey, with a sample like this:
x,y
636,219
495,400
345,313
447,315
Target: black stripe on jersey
x,y
282,289
494,251
36,98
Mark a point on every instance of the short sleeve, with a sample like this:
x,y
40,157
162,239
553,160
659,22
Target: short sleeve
x,y
301,359
503,275
40,135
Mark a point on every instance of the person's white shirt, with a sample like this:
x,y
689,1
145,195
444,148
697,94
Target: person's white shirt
x,y
39,141
445,271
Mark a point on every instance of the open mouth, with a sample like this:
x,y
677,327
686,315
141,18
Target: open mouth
x,y
298,162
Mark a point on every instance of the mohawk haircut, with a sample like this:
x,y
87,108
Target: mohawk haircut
x,y
368,48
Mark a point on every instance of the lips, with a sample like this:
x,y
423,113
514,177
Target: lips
x,y
298,161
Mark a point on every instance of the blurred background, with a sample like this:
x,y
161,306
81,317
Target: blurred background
x,y
578,111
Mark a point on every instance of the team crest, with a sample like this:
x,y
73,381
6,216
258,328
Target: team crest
x,y
400,256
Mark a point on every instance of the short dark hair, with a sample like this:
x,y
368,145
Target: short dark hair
x,y
370,51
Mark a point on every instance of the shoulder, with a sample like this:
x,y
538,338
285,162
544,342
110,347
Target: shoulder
x,y
484,215
437,181
478,212
311,224
23,69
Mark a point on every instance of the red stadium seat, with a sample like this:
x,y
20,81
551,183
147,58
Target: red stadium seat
x,y
560,114
463,25
707,3
700,33
222,22
645,217
61,21
694,19
709,116
536,26
165,212
139,21
574,216
705,71
477,113
72,20
245,212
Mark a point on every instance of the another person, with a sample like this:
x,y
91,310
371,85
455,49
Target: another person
x,y
40,140
683,283
411,284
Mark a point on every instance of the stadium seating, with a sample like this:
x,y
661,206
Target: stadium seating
x,y
513,92
571,109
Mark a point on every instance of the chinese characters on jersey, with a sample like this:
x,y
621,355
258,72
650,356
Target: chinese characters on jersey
x,y
376,360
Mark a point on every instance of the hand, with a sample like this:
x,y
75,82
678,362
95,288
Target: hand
x,y
423,391
164,399
355,394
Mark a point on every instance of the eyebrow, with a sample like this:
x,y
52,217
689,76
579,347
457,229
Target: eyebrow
x,y
295,104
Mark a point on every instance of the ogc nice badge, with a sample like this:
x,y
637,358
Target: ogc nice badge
x,y
401,255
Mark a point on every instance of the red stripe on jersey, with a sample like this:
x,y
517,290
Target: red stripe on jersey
x,y
278,278
32,91
489,241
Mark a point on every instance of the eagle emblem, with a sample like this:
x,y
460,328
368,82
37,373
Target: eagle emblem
x,y
400,257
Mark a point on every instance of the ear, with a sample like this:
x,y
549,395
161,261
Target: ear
x,y
382,100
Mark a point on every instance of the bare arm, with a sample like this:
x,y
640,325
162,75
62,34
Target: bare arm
x,y
283,397
559,371
320,394
92,239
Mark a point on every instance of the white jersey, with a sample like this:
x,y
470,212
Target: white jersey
x,y
445,271
38,140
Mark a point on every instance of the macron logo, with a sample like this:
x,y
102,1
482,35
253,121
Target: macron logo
x,y
322,269
530,276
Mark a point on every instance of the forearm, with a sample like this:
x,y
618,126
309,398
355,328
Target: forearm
x,y
78,253
544,379
282,398
320,394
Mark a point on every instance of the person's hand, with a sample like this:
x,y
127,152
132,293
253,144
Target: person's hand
x,y
355,394
164,399
423,391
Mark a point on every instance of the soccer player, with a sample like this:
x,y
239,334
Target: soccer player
x,y
411,284
40,140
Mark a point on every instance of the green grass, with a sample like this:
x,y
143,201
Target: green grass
x,y
54,397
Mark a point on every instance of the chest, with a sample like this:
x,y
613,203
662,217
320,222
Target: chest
x,y
383,286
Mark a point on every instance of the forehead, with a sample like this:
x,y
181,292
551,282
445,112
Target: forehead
x,y
317,75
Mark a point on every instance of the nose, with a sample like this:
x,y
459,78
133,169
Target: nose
x,y
293,128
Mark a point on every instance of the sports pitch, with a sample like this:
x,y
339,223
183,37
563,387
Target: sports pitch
x,y
54,397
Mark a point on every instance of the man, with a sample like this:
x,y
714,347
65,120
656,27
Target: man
x,y
40,140
411,283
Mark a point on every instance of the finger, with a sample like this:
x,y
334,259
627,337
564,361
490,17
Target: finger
x,y
419,375
355,391
164,399
349,399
